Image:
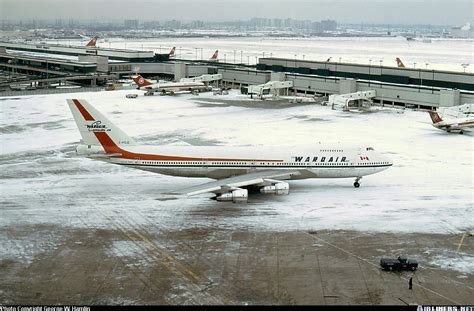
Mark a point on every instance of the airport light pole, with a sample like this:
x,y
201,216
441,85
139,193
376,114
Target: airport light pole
x,y
421,80
295,65
340,59
426,64
294,78
381,68
256,62
370,65
432,84
248,64
464,66
414,65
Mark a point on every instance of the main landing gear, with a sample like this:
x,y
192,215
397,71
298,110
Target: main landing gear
x,y
356,183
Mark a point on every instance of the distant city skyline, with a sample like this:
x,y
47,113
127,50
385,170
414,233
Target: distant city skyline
x,y
435,12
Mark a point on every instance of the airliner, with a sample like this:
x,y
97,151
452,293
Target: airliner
x,y
460,124
215,56
92,42
172,52
167,88
400,64
235,168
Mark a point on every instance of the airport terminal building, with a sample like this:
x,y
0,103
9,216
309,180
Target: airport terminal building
x,y
410,87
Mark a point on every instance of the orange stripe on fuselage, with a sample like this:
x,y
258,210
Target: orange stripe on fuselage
x,y
111,147
83,110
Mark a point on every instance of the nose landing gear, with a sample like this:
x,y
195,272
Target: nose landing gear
x,y
356,183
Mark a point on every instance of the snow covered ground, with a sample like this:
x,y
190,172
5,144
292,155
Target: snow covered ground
x,y
441,54
429,188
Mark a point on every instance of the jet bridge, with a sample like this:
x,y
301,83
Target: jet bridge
x,y
461,111
357,100
272,87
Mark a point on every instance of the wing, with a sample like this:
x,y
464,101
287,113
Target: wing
x,y
227,184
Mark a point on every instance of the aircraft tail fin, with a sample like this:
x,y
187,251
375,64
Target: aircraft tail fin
x,y
400,64
215,55
95,128
435,117
328,60
92,42
172,52
140,81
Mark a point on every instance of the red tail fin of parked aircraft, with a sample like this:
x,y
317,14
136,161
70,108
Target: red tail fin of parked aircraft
x,y
215,55
400,63
92,42
435,117
140,81
172,52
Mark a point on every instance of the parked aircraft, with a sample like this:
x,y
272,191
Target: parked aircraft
x,y
92,42
167,88
172,52
215,56
400,64
234,168
460,124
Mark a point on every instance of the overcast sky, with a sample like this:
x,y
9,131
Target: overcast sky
x,y
438,12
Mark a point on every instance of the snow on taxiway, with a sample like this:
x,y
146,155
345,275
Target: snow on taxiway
x,y
429,188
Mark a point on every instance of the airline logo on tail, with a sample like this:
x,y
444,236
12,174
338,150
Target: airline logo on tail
x,y
97,126
92,42
140,81
215,55
400,64
435,117
172,52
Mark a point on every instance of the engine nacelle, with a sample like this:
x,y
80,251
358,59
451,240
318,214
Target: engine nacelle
x,y
238,195
280,188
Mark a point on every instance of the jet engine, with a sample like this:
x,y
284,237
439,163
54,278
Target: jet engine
x,y
238,195
279,188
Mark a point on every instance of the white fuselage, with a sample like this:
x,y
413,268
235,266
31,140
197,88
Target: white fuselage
x,y
174,87
458,124
222,162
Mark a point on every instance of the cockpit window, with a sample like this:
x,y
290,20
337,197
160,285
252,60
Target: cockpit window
x,y
370,148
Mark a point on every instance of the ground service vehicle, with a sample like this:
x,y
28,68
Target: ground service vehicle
x,y
401,263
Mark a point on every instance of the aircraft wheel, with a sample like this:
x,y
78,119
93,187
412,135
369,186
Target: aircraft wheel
x,y
461,132
356,184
